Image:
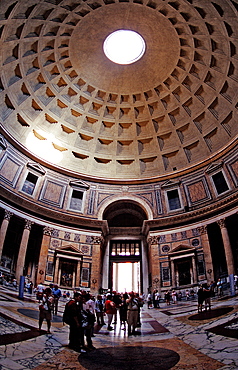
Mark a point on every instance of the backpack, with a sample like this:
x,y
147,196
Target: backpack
x,y
66,314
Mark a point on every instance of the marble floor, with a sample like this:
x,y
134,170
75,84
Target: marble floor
x,y
171,337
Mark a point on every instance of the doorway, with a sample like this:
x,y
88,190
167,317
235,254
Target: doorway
x,y
184,273
126,277
125,266
68,270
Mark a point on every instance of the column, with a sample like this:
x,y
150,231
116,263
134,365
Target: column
x,y
22,250
105,269
116,277
78,273
59,275
56,274
3,230
43,255
134,288
207,253
73,279
173,275
96,277
194,270
154,262
227,247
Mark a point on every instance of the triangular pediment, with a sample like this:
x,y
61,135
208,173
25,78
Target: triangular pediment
x,y
36,168
68,249
79,184
214,167
182,249
170,184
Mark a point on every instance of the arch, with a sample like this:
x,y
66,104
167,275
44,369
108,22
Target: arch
x,y
140,203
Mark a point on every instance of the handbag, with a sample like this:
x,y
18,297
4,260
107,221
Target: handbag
x,y
41,307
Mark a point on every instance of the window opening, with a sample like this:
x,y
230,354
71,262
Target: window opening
x,y
173,199
30,183
220,182
76,200
129,248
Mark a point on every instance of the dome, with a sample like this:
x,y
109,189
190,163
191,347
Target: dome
x,y
72,108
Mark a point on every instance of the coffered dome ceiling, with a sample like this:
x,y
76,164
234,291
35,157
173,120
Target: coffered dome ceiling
x,y
64,101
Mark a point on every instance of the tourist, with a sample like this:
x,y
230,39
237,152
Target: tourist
x,y
167,297
45,307
157,298
39,291
56,292
88,320
174,296
200,295
116,297
123,311
99,309
149,300
207,296
75,323
132,313
110,309
219,288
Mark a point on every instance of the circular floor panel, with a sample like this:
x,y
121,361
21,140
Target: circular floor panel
x,y
129,358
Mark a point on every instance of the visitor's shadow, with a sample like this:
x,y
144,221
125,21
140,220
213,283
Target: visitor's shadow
x,y
129,358
211,314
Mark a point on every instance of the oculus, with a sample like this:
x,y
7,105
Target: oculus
x,y
124,46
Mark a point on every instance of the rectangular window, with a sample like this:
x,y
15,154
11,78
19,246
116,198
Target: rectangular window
x,y
30,183
130,248
173,199
165,274
85,274
220,183
49,269
76,200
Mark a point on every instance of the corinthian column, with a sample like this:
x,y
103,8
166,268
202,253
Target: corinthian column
x,y
96,278
227,247
3,230
43,255
23,249
207,253
154,261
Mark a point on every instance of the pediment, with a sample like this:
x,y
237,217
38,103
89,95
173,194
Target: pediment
x,y
68,250
79,184
36,167
170,184
214,167
182,249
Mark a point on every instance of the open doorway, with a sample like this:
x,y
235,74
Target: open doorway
x,y
126,277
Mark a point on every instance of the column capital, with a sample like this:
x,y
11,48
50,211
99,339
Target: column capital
x,y
97,239
153,239
202,229
47,230
222,223
28,224
7,215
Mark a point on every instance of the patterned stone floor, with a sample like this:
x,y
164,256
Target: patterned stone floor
x,y
172,337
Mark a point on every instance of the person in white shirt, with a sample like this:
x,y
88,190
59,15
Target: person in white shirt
x,y
39,291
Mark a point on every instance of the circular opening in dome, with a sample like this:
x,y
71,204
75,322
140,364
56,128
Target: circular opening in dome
x,y
124,46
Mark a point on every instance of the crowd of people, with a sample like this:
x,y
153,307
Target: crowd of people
x,y
83,311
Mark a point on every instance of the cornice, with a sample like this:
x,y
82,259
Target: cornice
x,y
51,215
97,179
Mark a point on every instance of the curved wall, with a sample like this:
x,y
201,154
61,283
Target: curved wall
x,y
178,225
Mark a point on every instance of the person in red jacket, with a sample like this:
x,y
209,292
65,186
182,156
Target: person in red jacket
x,y
110,309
